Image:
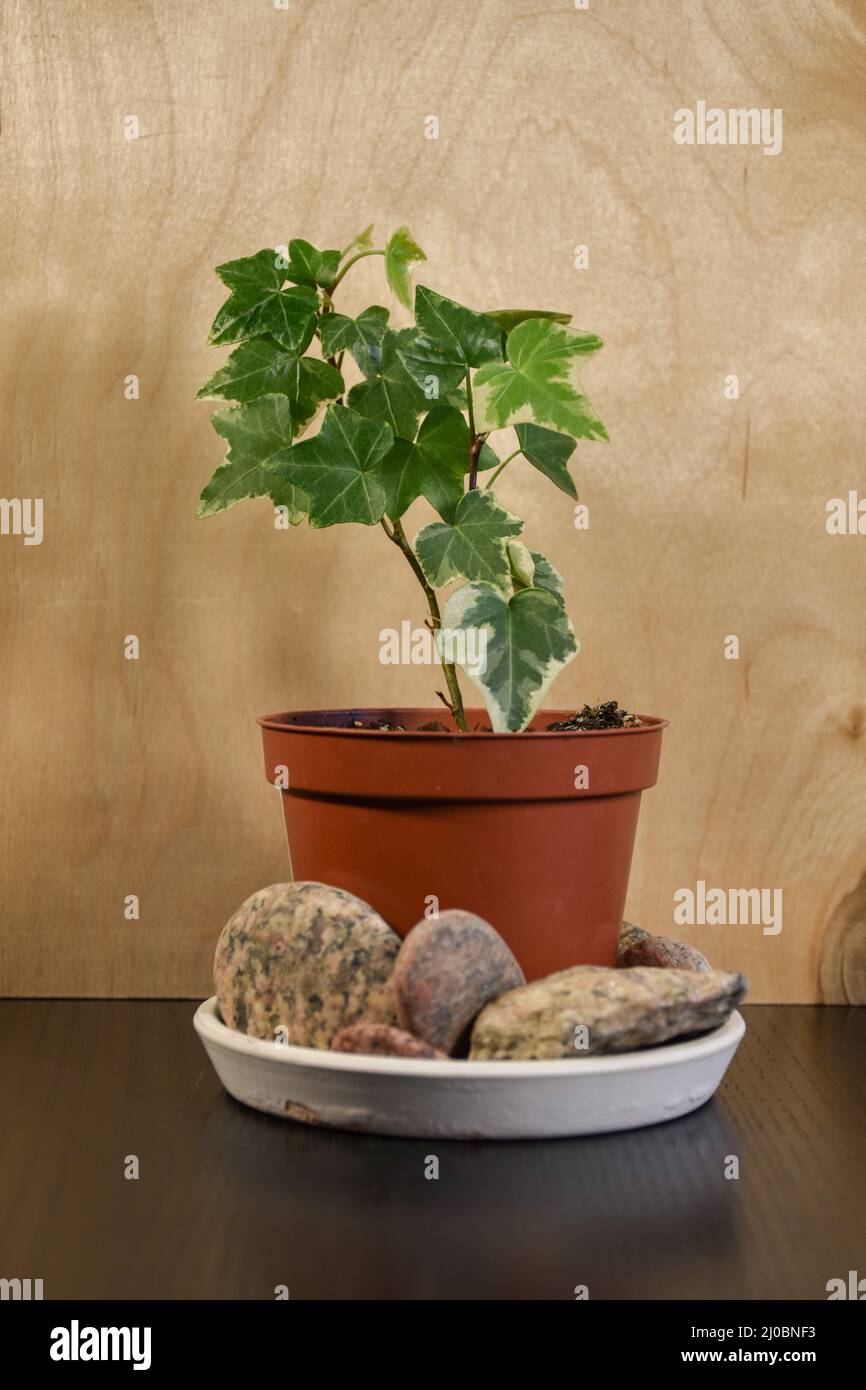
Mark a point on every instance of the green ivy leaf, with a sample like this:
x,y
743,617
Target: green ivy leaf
x,y
307,266
372,325
286,495
540,382
390,394
448,340
261,367
465,336
362,337
434,467
472,546
256,433
549,452
339,468
337,333
401,253
360,242
510,318
259,305
529,640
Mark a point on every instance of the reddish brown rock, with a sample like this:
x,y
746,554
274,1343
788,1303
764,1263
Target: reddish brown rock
x,y
381,1040
448,968
638,947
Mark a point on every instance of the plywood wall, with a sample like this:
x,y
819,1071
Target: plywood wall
x,y
259,121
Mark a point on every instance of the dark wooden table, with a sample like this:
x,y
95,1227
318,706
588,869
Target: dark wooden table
x,y
230,1203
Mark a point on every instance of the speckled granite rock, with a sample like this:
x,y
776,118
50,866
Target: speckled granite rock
x,y
381,1040
448,968
621,1009
639,947
307,956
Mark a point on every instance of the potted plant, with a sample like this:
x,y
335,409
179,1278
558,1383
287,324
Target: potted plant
x,y
524,817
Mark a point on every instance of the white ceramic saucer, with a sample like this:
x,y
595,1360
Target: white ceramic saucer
x,y
468,1100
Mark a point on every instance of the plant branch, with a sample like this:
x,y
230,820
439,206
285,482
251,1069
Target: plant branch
x,y
470,406
477,445
475,440
328,301
491,480
394,531
359,256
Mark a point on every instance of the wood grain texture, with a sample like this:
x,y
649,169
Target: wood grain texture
x,y
707,515
230,1203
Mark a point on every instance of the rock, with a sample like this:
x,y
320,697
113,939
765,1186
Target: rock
x,y
620,1009
638,947
311,958
448,968
381,1040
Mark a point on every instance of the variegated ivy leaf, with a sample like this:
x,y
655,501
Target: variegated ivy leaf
x,y
401,253
261,367
435,466
390,393
529,639
546,577
510,318
258,304
338,334
472,546
339,469
256,434
540,382
362,337
447,341
522,565
307,266
549,452
532,570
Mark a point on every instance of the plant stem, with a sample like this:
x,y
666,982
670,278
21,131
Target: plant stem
x,y
477,445
475,440
359,256
328,301
395,533
471,407
491,480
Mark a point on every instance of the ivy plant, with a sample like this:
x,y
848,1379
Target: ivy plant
x,y
406,413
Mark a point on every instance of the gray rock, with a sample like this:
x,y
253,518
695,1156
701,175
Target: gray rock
x,y
306,957
447,970
615,1011
639,947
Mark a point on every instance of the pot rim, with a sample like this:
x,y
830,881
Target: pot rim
x,y
211,1029
285,721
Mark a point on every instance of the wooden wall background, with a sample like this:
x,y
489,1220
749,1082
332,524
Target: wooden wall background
x,y
707,515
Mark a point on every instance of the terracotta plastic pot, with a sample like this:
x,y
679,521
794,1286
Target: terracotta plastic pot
x,y
505,825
